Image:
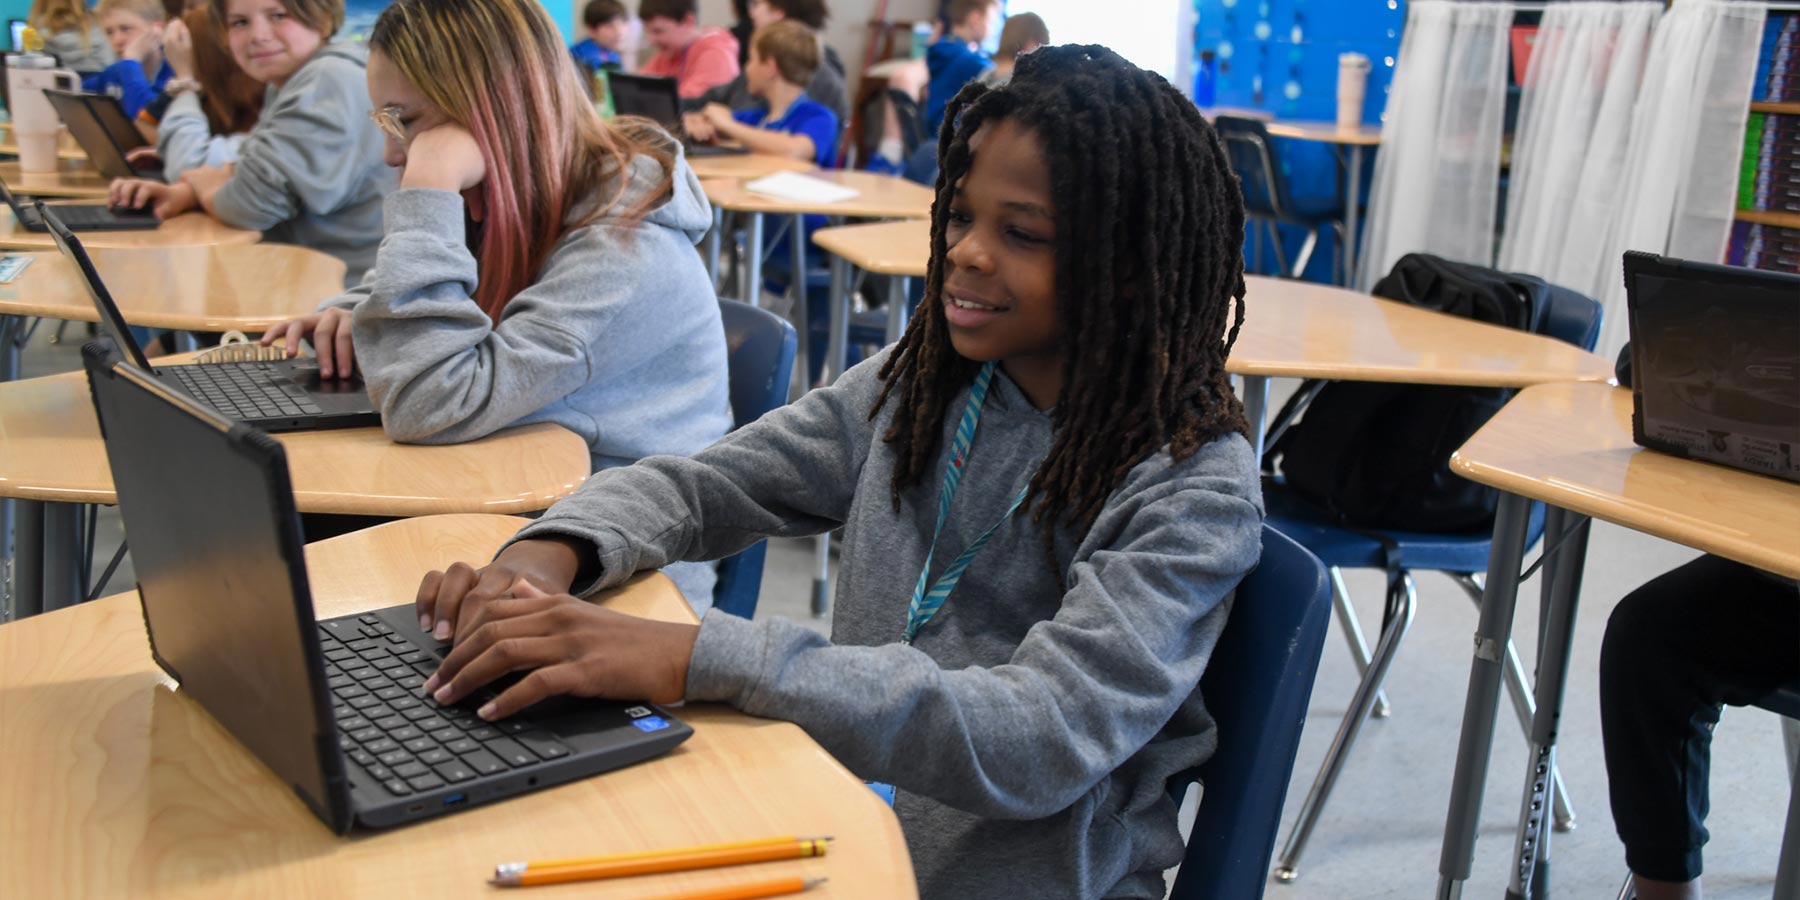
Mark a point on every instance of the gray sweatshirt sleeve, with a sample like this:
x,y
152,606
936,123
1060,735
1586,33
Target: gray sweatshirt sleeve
x,y
790,473
183,137
1083,692
294,159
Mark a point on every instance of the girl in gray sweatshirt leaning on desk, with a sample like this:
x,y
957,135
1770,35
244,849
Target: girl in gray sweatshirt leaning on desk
x,y
310,172
539,263
1064,380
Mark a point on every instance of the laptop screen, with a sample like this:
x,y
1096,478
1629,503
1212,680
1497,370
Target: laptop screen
x,y
85,126
1716,362
653,98
216,542
111,320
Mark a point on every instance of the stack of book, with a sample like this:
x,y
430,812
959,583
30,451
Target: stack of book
x,y
1778,65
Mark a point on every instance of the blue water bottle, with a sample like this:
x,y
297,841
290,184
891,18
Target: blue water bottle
x,y
1204,93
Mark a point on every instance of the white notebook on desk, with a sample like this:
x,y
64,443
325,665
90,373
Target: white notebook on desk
x,y
801,188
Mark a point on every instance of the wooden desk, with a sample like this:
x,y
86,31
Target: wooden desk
x,y
116,785
193,229
66,148
901,249
1299,329
74,179
1570,446
745,165
193,288
51,457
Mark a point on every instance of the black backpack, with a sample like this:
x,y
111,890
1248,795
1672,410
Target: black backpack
x,y
1378,455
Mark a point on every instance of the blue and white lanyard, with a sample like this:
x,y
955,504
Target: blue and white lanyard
x,y
926,603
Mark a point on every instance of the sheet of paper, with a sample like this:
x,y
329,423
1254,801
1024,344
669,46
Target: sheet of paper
x,y
801,188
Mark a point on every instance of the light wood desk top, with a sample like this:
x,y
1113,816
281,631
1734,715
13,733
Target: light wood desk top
x,y
76,180
66,148
214,289
1570,445
50,449
193,229
745,165
116,785
878,197
884,248
1299,329
1323,131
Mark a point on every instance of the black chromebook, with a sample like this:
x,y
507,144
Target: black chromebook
x,y
333,708
274,395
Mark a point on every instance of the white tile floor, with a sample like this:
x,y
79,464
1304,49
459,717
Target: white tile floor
x,y
1380,835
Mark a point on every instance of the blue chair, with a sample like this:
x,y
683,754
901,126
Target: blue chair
x,y
1568,317
760,347
1256,686
1267,198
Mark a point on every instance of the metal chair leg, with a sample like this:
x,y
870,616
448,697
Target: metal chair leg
x,y
1625,890
1400,603
1275,244
1359,648
1306,252
1513,676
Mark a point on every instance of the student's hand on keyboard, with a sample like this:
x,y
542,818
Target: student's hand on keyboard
x,y
697,127
166,200
546,566
143,156
329,331
568,646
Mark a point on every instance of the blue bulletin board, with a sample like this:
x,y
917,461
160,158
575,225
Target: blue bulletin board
x,y
1281,56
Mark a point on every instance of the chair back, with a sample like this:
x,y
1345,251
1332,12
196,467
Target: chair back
x,y
760,358
1252,158
1570,317
1256,686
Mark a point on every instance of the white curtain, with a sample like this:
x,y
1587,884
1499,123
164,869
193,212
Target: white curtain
x,y
1437,175
1569,148
1687,138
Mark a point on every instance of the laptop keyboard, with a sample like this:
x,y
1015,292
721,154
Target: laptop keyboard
x,y
244,391
88,217
402,738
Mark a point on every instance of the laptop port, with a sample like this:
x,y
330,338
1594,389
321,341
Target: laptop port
x,y
416,808
456,800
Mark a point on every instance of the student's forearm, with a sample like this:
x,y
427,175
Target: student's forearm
x,y
763,141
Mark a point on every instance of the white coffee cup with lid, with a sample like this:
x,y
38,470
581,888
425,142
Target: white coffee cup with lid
x,y
1353,81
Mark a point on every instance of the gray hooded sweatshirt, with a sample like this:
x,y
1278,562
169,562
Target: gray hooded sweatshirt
x,y
618,339
311,171
1030,729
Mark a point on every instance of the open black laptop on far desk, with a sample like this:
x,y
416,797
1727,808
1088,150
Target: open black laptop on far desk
x,y
81,216
276,395
656,99
335,708
98,123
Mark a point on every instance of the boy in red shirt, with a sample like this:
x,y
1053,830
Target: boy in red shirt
x,y
697,58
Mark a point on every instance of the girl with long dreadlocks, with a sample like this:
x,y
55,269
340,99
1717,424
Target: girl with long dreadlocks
x,y
1051,460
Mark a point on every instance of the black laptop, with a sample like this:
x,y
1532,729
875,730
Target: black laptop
x,y
98,123
656,99
335,709
275,395
1715,362
81,216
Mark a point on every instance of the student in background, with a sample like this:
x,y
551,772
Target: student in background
x,y
956,59
538,263
1021,34
741,27
697,58
208,108
783,58
1106,507
134,29
605,21
310,172
826,85
72,32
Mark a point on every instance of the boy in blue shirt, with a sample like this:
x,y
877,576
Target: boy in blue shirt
x,y
956,59
783,57
134,29
605,22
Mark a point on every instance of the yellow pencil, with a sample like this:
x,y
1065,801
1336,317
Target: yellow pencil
x,y
775,888
557,871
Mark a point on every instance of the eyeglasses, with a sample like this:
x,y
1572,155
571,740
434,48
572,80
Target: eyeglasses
x,y
387,119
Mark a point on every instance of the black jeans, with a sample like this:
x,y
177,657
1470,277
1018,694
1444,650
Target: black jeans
x,y
1707,633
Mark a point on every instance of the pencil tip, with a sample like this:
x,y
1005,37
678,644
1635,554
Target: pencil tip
x,y
814,882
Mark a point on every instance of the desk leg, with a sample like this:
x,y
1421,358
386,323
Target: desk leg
x,y
1256,411
28,561
1562,588
899,288
1787,871
713,237
10,329
753,265
1476,743
62,555
1353,185
837,347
